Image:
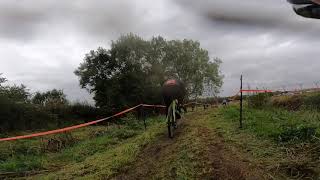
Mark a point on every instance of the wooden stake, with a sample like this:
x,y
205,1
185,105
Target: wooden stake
x,y
241,101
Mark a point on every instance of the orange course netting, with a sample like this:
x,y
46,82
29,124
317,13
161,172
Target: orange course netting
x,y
56,131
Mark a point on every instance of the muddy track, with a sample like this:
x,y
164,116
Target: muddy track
x,y
153,157
205,149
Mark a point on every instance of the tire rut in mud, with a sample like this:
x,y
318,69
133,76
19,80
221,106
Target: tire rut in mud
x,y
150,160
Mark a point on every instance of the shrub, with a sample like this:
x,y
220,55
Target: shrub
x,y
21,116
296,133
296,102
132,122
259,100
59,142
22,163
312,102
291,103
83,111
20,111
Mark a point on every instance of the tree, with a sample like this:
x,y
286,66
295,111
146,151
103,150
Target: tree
x,y
53,101
118,77
187,61
133,70
50,109
50,97
16,93
2,79
98,75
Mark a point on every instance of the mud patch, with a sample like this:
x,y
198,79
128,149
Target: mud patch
x,y
220,162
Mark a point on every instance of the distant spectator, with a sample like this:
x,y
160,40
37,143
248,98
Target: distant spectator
x,y
225,102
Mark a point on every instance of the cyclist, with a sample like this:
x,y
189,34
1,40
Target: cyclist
x,y
173,92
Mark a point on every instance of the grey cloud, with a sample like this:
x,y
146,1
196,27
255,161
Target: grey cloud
x,y
249,12
23,20
42,42
264,40
19,21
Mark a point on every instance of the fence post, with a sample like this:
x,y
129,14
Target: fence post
x,y
241,101
143,116
144,119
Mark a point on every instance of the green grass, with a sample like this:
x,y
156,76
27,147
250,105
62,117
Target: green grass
x,y
106,163
101,153
22,163
226,122
277,124
262,139
183,164
184,158
87,143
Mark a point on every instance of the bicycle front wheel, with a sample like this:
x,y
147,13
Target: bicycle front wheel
x,y
170,124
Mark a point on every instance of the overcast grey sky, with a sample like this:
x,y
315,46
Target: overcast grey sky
x,y
43,41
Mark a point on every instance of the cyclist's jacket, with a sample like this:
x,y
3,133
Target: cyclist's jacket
x,y
173,89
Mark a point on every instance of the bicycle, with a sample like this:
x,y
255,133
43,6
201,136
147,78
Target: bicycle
x,y
171,118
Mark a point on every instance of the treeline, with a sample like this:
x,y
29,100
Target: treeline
x,y
21,110
130,72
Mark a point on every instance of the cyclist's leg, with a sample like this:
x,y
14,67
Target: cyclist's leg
x,y
170,120
168,114
169,110
174,111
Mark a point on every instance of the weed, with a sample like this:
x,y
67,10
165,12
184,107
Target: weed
x,y
22,163
296,134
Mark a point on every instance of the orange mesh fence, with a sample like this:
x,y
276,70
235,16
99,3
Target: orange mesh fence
x,y
57,131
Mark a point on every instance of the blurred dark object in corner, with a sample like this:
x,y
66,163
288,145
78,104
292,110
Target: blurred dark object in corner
x,y
306,8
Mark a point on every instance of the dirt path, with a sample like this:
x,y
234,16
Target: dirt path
x,y
196,152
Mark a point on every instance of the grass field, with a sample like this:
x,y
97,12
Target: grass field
x,y
273,144
284,142
31,155
280,125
